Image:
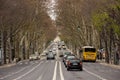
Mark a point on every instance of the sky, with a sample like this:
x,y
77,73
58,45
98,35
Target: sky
x,y
51,8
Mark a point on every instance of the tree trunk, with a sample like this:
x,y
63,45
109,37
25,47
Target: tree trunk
x,y
4,45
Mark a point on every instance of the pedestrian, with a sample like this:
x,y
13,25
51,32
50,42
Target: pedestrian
x,y
100,55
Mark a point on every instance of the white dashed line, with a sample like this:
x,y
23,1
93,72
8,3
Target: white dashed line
x,y
46,62
95,74
27,72
14,73
40,78
5,76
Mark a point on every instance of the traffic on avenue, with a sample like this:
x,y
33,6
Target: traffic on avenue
x,y
57,62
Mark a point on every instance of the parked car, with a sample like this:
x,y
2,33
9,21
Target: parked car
x,y
74,63
50,56
33,57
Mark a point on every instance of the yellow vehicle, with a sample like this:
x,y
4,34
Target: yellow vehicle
x,y
88,53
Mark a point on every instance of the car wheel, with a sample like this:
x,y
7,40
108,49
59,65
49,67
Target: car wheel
x,y
68,69
65,65
81,69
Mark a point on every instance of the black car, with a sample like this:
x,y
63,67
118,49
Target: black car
x,y
74,63
50,56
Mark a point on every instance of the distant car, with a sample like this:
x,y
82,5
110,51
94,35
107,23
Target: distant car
x,y
54,49
33,57
50,56
65,54
59,47
64,47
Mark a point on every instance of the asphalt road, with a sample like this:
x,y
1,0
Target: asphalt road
x,y
55,70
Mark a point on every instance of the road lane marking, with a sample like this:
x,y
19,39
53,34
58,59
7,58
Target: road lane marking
x,y
94,74
55,71
27,72
5,76
61,73
14,73
40,78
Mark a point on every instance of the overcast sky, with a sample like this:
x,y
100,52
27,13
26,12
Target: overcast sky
x,y
51,8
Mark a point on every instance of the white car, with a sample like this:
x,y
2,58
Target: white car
x,y
33,57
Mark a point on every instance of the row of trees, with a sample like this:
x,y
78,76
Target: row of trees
x,y
25,28
90,22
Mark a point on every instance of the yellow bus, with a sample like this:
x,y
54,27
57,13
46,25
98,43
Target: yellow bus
x,y
88,53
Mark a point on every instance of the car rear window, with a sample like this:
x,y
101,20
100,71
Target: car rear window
x,y
90,50
71,57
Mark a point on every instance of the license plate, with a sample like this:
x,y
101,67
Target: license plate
x,y
89,57
75,64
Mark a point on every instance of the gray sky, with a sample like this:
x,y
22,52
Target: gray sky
x,y
51,8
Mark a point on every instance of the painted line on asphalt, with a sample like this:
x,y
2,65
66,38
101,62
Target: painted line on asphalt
x,y
94,74
40,78
61,73
55,71
27,72
46,62
5,76
14,73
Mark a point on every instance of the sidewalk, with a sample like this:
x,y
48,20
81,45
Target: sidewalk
x,y
111,65
7,65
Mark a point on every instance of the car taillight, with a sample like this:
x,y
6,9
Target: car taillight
x,y
80,63
68,62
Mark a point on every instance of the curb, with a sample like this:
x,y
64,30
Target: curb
x,y
22,61
7,65
110,65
